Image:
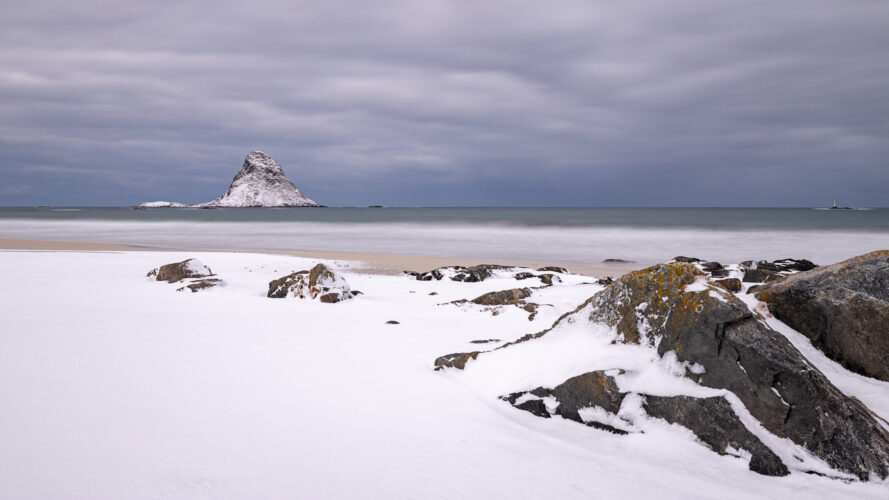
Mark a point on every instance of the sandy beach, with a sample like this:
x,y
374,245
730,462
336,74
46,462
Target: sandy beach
x,y
359,262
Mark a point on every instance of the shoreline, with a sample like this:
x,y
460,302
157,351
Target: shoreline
x,y
369,263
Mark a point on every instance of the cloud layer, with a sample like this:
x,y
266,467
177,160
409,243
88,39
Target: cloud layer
x,y
449,103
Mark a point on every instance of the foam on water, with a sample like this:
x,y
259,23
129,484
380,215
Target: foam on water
x,y
588,245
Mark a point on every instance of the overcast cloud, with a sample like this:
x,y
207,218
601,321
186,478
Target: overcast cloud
x,y
411,102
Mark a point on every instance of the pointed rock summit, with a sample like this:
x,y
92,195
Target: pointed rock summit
x,y
261,183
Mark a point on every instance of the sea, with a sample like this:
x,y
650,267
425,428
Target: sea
x,y
563,236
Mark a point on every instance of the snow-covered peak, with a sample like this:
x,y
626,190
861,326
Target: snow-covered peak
x,y
261,183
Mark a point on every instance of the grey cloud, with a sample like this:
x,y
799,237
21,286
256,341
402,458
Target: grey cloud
x,y
572,103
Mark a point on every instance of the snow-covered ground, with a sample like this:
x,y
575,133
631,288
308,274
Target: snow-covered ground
x,y
116,386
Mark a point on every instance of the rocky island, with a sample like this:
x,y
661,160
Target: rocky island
x,y
261,182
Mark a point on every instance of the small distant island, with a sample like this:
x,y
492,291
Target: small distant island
x,y
260,183
835,207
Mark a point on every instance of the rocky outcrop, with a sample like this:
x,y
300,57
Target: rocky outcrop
x,y
318,283
716,331
843,308
675,308
261,183
471,274
711,419
515,296
194,275
715,423
765,272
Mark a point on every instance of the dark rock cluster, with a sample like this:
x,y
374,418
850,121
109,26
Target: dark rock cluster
x,y
707,327
481,272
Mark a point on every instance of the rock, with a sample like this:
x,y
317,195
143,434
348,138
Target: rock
x,y
320,282
392,322
514,296
794,265
535,407
720,273
553,269
486,341
759,275
729,284
433,293
712,419
279,288
547,279
178,271
686,259
765,271
593,389
709,267
202,284
715,423
470,274
456,360
843,308
605,281
524,276
261,183
775,382
617,261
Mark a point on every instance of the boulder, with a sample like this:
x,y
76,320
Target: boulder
x,y
715,423
320,283
732,285
191,273
688,260
713,329
843,308
178,271
759,275
593,389
711,419
553,269
514,296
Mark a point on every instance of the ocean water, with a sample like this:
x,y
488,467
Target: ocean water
x,y
579,236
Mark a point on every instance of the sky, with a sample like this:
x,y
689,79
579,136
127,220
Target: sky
x,y
448,103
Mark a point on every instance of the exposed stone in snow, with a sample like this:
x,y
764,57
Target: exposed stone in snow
x,y
194,275
261,183
318,283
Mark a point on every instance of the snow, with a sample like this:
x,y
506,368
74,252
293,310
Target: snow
x,y
162,204
113,387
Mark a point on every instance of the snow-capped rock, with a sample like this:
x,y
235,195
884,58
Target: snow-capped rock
x,y
320,283
161,204
261,183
